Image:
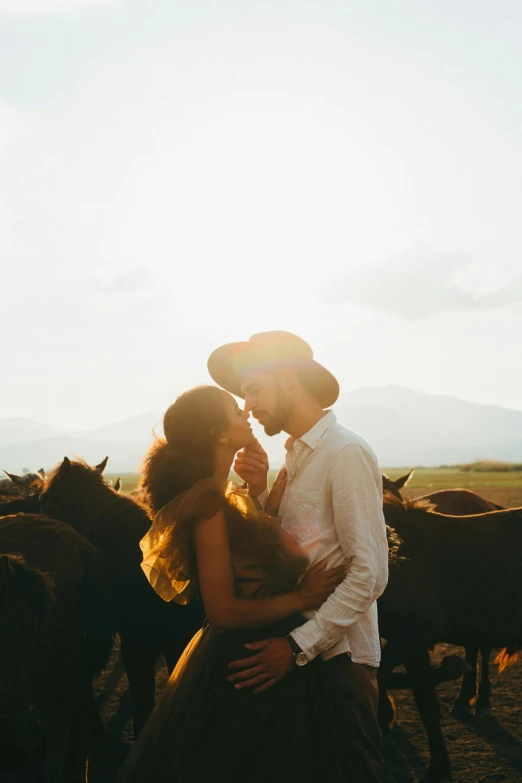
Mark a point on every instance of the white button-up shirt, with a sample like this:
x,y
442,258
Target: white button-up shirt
x,y
332,505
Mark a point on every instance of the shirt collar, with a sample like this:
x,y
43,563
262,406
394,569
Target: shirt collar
x,y
314,435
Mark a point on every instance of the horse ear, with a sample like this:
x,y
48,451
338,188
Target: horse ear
x,y
103,464
65,467
42,472
117,485
387,484
5,570
403,480
14,478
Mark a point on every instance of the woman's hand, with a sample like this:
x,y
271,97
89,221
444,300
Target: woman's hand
x,y
276,493
318,584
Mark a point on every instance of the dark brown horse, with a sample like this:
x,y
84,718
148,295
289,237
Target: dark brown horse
x,y
456,580
54,637
115,524
29,503
461,502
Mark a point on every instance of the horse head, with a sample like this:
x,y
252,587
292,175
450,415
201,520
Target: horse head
x,y
395,487
20,486
68,490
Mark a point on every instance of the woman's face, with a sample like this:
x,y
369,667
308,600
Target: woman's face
x,y
238,432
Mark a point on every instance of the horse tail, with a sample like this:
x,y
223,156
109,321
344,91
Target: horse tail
x,y
507,656
97,613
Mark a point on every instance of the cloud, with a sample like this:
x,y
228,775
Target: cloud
x,y
417,283
136,281
20,8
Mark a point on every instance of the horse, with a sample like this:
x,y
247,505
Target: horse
x,y
146,624
20,486
30,503
455,580
461,502
54,638
455,502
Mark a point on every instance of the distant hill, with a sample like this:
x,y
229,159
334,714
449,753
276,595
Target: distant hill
x,y
24,431
404,428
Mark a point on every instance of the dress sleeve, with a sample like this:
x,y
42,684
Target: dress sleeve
x,y
169,558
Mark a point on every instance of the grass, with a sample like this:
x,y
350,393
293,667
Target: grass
x,y
500,487
503,487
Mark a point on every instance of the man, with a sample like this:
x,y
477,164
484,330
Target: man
x,y
332,504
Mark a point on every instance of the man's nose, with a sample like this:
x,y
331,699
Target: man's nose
x,y
248,404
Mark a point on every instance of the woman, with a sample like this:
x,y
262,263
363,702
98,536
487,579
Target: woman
x,y
210,541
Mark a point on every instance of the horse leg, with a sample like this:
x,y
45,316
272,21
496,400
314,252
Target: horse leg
x,y
429,710
139,662
56,730
82,721
483,705
451,668
468,688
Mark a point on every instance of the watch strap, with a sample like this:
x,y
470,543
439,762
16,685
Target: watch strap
x,y
293,644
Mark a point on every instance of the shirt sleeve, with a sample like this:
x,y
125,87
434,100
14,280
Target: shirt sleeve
x,y
260,500
356,486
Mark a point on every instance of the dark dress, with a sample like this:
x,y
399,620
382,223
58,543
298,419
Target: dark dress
x,y
203,730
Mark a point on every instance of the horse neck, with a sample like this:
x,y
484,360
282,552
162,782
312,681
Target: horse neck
x,y
403,521
109,516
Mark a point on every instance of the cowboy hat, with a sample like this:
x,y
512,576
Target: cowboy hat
x,y
268,351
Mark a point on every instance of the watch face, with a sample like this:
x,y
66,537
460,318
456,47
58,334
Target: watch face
x,y
301,659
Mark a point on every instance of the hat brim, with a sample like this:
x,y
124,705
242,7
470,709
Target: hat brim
x,y
229,364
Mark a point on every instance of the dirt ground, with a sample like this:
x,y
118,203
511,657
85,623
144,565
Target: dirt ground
x,y
488,750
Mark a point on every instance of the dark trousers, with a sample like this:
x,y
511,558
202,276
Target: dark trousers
x,y
356,696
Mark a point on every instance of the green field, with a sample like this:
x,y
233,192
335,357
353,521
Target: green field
x,y
503,487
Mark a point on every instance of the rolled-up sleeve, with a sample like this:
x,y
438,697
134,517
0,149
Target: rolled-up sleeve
x,y
356,487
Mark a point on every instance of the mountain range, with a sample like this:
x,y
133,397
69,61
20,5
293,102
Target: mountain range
x,y
404,427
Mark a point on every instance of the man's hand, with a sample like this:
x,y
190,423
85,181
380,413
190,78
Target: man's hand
x,y
251,464
276,493
273,661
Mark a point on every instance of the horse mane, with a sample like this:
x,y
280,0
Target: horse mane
x,y
394,544
54,471
35,587
407,504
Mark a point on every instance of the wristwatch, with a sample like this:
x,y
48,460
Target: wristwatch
x,y
298,656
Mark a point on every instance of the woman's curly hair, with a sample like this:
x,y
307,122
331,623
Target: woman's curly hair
x,y
192,427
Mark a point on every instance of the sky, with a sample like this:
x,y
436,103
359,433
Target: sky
x,y
184,173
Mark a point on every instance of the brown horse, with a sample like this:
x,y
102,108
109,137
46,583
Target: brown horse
x,y
54,637
20,486
461,502
457,580
115,524
456,502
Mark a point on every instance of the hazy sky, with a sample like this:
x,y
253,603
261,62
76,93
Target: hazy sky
x,y
178,174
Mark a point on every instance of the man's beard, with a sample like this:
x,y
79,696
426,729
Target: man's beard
x,y
275,422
